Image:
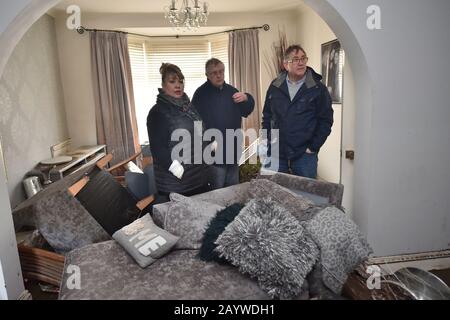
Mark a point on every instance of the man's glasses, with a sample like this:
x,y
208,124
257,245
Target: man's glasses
x,y
217,73
297,60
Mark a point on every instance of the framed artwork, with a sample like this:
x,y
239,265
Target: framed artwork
x,y
333,58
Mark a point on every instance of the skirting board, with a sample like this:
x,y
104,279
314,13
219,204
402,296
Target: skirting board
x,y
436,260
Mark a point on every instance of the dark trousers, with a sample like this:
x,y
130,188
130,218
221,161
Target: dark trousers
x,y
224,175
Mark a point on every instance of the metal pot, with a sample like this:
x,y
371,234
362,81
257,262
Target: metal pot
x,y
32,186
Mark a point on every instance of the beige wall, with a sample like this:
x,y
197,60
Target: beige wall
x,y
75,63
32,113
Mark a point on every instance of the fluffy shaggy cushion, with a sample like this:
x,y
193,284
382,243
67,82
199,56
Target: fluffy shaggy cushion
x,y
65,223
342,246
268,243
216,226
188,218
145,241
299,206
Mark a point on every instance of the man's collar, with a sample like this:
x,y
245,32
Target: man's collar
x,y
309,80
302,80
213,86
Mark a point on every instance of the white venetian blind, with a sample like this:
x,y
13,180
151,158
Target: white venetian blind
x,y
146,57
219,50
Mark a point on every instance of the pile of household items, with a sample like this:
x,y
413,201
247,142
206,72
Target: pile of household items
x,y
275,237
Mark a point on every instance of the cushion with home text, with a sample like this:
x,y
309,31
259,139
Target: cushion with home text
x,y
145,241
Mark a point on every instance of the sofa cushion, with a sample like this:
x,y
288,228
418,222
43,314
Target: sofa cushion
x,y
65,223
299,206
215,228
108,202
223,197
342,245
145,241
268,243
108,272
188,218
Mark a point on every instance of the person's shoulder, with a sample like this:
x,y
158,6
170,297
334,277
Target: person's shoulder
x,y
230,88
202,88
278,81
155,111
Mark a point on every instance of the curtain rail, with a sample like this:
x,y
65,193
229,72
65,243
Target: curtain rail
x,y
82,30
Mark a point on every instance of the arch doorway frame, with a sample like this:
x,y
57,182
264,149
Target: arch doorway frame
x,y
35,9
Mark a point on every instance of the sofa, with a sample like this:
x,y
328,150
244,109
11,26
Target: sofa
x,y
107,271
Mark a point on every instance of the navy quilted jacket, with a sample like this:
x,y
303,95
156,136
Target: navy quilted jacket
x,y
305,122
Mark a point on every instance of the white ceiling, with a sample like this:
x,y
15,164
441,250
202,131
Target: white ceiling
x,y
152,6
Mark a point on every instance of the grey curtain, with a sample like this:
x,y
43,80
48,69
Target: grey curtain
x,y
114,98
245,70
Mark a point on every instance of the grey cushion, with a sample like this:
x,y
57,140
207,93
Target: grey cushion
x,y
342,246
108,272
188,219
65,223
145,241
222,197
296,204
268,243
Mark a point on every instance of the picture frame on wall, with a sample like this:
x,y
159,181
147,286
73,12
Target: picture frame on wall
x,y
333,59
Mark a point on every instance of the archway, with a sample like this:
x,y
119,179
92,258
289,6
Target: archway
x,y
27,12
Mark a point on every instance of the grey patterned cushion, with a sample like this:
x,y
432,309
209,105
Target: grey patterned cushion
x,y
342,246
145,241
296,204
65,223
188,219
268,243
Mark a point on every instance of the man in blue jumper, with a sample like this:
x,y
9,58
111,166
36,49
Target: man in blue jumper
x,y
299,106
222,107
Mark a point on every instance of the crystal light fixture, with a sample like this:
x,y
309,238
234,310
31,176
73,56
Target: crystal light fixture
x,y
190,15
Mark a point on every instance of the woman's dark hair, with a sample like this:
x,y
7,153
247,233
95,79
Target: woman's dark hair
x,y
168,69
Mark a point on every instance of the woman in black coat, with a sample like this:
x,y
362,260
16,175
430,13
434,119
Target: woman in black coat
x,y
178,165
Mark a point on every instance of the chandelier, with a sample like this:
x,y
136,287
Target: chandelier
x,y
190,15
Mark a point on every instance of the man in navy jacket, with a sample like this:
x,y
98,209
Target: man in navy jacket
x,y
299,106
222,107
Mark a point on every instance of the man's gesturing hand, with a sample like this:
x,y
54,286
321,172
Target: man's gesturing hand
x,y
239,97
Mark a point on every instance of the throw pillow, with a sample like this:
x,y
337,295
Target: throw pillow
x,y
215,228
65,223
299,206
342,245
108,202
145,241
188,218
268,243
